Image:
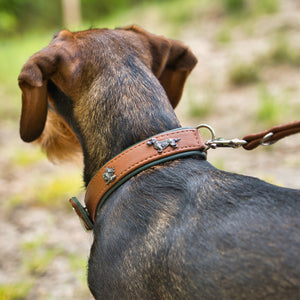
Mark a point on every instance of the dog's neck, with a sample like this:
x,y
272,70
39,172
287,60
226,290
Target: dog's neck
x,y
125,113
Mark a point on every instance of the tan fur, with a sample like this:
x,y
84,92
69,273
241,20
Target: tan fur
x,y
58,140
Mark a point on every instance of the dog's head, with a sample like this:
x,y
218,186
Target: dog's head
x,y
69,66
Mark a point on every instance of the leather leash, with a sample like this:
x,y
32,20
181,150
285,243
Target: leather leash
x,y
170,145
253,140
271,136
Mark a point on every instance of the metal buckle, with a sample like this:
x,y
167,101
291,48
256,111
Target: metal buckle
x,y
220,142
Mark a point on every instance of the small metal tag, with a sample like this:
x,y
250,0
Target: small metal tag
x,y
160,146
109,175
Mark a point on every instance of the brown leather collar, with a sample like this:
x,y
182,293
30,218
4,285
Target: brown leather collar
x,y
159,148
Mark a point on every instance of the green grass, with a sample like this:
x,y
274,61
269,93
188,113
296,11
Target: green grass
x,y
270,107
56,191
243,74
78,265
224,35
201,109
49,191
251,8
38,255
201,106
15,291
234,6
240,14
39,261
267,6
283,53
25,158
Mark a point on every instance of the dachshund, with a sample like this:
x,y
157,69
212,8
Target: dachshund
x,y
181,229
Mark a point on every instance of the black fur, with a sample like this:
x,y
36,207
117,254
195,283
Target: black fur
x,y
185,230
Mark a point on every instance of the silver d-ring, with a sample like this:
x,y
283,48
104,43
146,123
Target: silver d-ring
x,y
264,140
212,131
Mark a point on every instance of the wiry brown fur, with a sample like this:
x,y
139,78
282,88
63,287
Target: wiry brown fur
x,y
58,141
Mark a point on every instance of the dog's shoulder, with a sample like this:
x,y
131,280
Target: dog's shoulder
x,y
157,222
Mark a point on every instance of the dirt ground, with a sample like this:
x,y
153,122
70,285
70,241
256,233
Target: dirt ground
x,y
44,250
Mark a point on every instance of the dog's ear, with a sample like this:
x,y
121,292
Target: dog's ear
x,y
172,62
33,83
180,62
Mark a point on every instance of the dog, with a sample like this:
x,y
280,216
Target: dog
x,y
181,229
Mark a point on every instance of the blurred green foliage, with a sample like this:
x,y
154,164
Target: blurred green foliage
x,y
16,290
50,192
38,255
271,107
18,16
243,74
283,53
249,6
93,9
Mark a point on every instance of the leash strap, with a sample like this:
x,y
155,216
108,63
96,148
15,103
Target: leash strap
x,y
156,149
271,136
